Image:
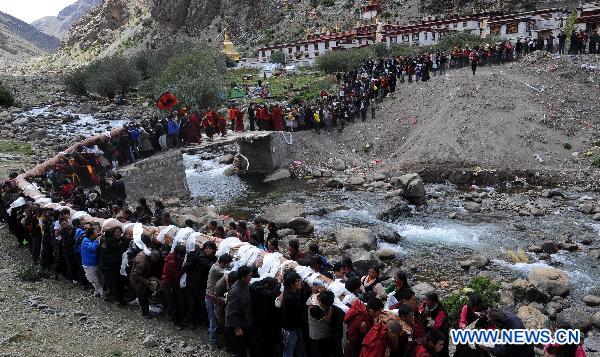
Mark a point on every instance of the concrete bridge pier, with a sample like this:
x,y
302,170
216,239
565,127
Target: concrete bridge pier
x,y
266,154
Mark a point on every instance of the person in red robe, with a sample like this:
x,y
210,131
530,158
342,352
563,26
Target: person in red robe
x,y
277,118
359,320
192,130
433,344
231,115
221,124
239,121
264,118
382,339
209,122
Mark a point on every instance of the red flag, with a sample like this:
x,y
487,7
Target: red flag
x,y
166,101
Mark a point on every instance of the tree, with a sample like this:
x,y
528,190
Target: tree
x,y
112,75
278,57
343,60
194,77
571,24
76,82
6,97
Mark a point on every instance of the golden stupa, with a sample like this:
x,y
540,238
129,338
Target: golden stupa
x,y
229,49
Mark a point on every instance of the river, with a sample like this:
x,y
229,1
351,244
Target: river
x,y
432,245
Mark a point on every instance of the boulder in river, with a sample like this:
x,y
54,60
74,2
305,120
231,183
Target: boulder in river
x,y
334,183
532,318
591,300
596,319
300,225
579,317
281,233
283,213
386,234
525,291
472,206
549,247
422,288
150,341
550,280
362,260
413,188
280,174
226,159
549,193
386,254
357,180
398,210
476,260
362,238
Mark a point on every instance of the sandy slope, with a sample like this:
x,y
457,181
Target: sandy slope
x,y
493,120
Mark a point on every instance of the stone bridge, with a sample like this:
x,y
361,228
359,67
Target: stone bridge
x,y
163,174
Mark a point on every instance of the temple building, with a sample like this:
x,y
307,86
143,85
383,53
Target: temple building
x,y
589,16
229,49
431,30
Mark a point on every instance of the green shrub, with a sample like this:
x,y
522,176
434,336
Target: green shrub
x,y
32,273
328,3
196,77
596,162
567,146
484,286
76,82
278,57
6,97
343,60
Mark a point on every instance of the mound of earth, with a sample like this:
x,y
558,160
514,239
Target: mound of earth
x,y
533,115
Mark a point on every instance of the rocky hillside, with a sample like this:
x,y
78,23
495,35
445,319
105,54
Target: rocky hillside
x,y
119,26
58,26
510,6
20,41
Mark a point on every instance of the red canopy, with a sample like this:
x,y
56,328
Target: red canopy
x,y
166,101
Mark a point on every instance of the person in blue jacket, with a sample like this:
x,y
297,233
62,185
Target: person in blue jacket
x,y
89,260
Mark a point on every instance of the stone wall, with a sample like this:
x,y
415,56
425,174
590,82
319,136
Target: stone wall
x,y
160,176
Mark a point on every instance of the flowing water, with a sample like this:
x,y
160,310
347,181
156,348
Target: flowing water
x,y
84,124
432,240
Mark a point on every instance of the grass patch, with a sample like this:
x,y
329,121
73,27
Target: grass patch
x,y
15,147
484,286
305,85
32,273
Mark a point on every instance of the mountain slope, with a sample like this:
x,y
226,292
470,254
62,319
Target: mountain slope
x,y
28,33
58,26
20,41
128,26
